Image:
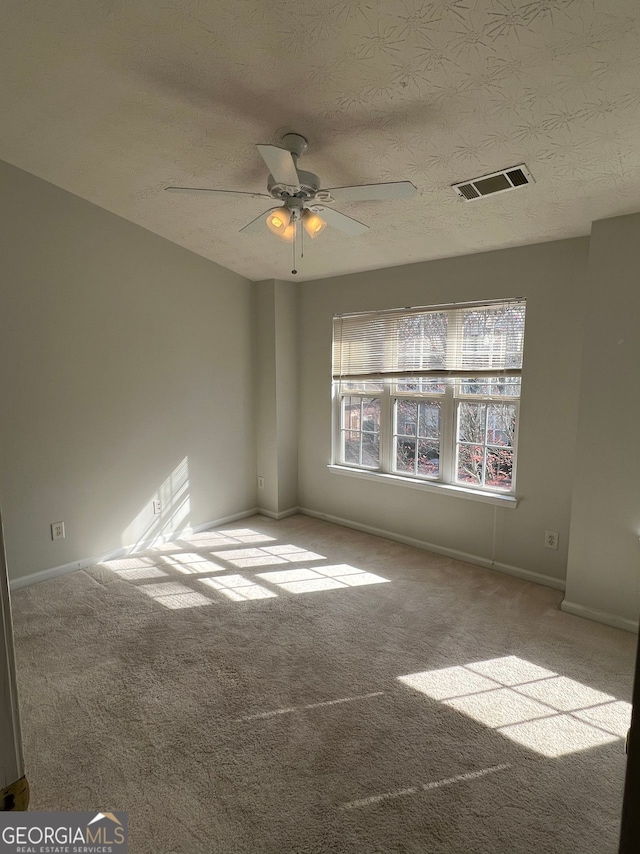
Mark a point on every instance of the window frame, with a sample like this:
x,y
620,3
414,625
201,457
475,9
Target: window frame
x,y
445,400
386,349
450,401
488,400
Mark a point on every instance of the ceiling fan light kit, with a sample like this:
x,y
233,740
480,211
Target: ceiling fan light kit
x,y
278,222
301,197
313,223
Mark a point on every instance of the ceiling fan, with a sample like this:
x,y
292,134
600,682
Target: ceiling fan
x,y
301,199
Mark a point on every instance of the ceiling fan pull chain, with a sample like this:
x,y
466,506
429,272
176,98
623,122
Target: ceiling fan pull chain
x,y
295,235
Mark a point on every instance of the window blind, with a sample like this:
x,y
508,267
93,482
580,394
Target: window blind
x,y
458,340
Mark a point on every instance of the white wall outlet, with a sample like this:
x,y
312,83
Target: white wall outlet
x,y
260,483
551,540
157,507
57,530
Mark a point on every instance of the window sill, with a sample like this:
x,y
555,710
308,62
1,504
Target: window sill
x,y
507,501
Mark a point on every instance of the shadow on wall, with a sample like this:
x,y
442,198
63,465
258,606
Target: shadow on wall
x,y
164,514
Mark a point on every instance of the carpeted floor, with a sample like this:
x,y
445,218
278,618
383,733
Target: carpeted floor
x,y
296,686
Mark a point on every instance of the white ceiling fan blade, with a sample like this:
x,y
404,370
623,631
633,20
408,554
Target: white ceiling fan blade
x,y
370,192
341,221
281,164
258,223
206,191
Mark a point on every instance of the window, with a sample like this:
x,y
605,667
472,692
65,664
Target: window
x,y
430,394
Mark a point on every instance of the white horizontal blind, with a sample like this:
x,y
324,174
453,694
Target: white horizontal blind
x,y
460,340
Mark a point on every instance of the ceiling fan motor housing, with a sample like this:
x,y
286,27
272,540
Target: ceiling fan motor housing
x,y
309,186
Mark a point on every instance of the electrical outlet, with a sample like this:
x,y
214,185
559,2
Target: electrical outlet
x,y
260,483
157,507
551,540
57,530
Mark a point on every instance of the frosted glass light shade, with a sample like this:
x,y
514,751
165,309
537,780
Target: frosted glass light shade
x,y
313,224
289,233
278,222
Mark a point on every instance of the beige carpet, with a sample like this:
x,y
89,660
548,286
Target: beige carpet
x,y
296,686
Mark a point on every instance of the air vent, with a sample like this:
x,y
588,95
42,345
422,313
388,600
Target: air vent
x,y
496,182
517,177
468,191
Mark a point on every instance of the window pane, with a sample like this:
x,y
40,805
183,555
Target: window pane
x,y
469,385
470,459
408,385
371,414
422,385
362,385
499,468
428,459
501,424
351,413
505,387
405,455
429,421
406,417
352,448
471,418
488,386
370,449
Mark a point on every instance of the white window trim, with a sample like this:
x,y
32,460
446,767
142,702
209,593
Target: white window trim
x,y
448,442
510,501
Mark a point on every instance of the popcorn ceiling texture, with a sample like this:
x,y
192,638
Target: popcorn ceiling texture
x,y
115,99
232,723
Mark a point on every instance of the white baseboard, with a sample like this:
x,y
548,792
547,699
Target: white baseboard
x,y
487,563
281,515
123,551
599,616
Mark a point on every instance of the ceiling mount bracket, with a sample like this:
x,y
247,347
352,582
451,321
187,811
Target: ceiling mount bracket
x,y
295,143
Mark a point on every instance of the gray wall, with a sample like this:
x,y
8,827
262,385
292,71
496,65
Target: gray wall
x,y
126,372
552,278
276,353
266,399
603,576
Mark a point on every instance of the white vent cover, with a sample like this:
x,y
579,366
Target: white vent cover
x,y
496,182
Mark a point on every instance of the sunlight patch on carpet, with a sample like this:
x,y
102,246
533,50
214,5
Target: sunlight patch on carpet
x,y
192,564
236,536
321,578
140,573
320,705
268,555
237,588
530,705
173,595
127,563
372,800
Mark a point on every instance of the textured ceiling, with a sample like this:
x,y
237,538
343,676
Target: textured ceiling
x,y
114,99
